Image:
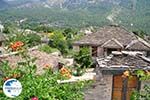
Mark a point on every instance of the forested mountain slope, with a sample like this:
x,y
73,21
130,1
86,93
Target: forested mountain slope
x,y
133,14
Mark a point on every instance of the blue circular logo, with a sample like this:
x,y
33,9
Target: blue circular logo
x,y
12,88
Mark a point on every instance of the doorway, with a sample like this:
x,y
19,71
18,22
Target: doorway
x,y
94,51
123,87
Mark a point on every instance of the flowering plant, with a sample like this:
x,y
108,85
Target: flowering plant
x,y
43,86
16,45
65,72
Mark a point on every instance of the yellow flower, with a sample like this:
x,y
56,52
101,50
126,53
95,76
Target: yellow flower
x,y
126,73
50,34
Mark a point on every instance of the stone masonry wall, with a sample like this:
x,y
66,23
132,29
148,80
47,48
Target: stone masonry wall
x,y
101,89
76,48
143,83
100,51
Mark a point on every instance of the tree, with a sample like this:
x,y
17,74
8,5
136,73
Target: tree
x,y
140,33
33,39
9,28
83,57
58,41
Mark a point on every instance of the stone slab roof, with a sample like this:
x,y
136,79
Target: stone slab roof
x,y
42,59
114,37
107,33
124,59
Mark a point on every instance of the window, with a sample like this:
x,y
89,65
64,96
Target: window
x,y
148,53
109,50
0,44
94,51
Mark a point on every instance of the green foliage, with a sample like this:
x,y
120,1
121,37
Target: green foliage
x,y
142,75
142,95
59,41
135,95
140,33
29,39
33,39
89,15
9,28
69,33
145,93
43,28
43,86
83,57
78,70
48,49
16,37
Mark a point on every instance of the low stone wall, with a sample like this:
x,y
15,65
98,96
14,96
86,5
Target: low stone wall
x,y
101,89
143,83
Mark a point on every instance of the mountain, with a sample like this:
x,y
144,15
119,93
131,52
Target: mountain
x,y
62,3
133,14
3,4
45,3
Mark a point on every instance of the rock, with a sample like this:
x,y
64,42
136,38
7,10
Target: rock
x,y
56,54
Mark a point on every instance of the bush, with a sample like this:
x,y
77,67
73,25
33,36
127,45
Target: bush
x,y
143,75
48,49
44,87
33,39
58,41
28,39
83,58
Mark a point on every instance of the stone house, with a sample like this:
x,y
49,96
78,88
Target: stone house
x,y
112,38
110,85
115,50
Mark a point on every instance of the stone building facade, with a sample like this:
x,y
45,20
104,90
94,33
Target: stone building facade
x,y
115,50
112,38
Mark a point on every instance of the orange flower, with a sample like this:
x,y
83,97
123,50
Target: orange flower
x,y
65,72
47,66
6,78
17,45
16,75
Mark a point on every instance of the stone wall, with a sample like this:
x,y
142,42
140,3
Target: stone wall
x,y
143,83
76,48
101,89
100,52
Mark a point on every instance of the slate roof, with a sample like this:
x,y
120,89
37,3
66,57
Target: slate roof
x,y
42,59
107,33
124,59
114,37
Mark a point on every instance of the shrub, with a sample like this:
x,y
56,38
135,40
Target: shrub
x,y
44,86
58,41
29,39
142,75
33,39
83,57
48,49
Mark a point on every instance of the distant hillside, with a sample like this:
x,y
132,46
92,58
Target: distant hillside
x,y
133,14
3,4
64,3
